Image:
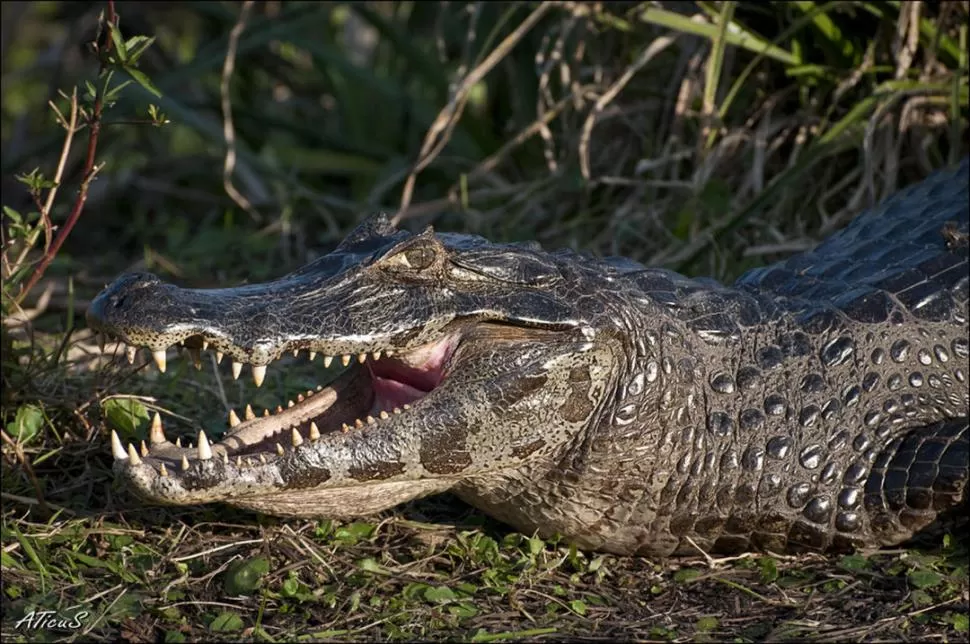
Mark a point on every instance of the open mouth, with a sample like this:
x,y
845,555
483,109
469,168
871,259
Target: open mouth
x,y
377,385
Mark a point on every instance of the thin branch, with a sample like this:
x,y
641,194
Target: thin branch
x,y
228,129
89,172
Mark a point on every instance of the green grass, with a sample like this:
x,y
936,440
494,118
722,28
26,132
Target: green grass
x,y
709,145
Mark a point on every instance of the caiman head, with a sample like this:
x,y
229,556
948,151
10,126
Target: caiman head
x,y
465,360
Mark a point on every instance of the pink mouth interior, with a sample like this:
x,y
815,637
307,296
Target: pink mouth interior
x,y
400,381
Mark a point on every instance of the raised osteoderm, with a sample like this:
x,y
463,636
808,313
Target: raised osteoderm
x,y
818,403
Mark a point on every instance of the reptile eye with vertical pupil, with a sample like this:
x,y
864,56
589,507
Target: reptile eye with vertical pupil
x,y
415,259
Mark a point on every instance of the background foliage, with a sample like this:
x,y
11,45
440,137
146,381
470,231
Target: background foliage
x,y
235,141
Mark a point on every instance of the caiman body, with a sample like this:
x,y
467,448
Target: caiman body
x,y
819,403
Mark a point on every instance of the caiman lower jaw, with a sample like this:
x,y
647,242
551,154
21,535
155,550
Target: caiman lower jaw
x,y
372,390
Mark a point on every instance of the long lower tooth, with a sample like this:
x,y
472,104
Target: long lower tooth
x,y
178,442
130,353
250,414
159,358
133,455
157,434
205,452
163,470
117,449
259,373
327,361
279,449
236,369
233,418
314,431
345,359
143,449
296,438
185,463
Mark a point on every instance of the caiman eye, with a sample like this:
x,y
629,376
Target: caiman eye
x,y
415,259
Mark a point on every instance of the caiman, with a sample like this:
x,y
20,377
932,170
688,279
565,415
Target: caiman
x,y
819,403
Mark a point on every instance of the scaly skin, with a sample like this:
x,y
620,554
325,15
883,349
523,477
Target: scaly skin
x,y
820,403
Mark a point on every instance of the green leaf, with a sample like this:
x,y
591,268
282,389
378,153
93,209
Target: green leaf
x,y
706,623
13,214
225,622
244,577
686,574
143,80
135,51
439,594
118,42
854,562
27,423
578,606
924,578
769,569
125,414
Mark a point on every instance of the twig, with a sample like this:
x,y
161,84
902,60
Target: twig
x,y
440,131
90,170
228,130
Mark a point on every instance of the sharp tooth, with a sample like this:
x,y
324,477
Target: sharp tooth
x,y
327,361
159,358
143,449
133,455
130,354
205,452
314,431
233,418
384,415
319,387
397,410
358,423
259,374
262,458
239,462
300,397
196,358
313,354
185,463
345,359
407,406
250,414
219,356
297,439
345,428
289,404
279,409
370,420
361,357
101,340
236,369
377,355
266,412
279,449
296,353
117,449
389,352
157,434
178,441
225,458
205,345
309,392
163,470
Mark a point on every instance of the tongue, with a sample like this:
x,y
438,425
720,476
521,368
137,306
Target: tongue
x,y
390,393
